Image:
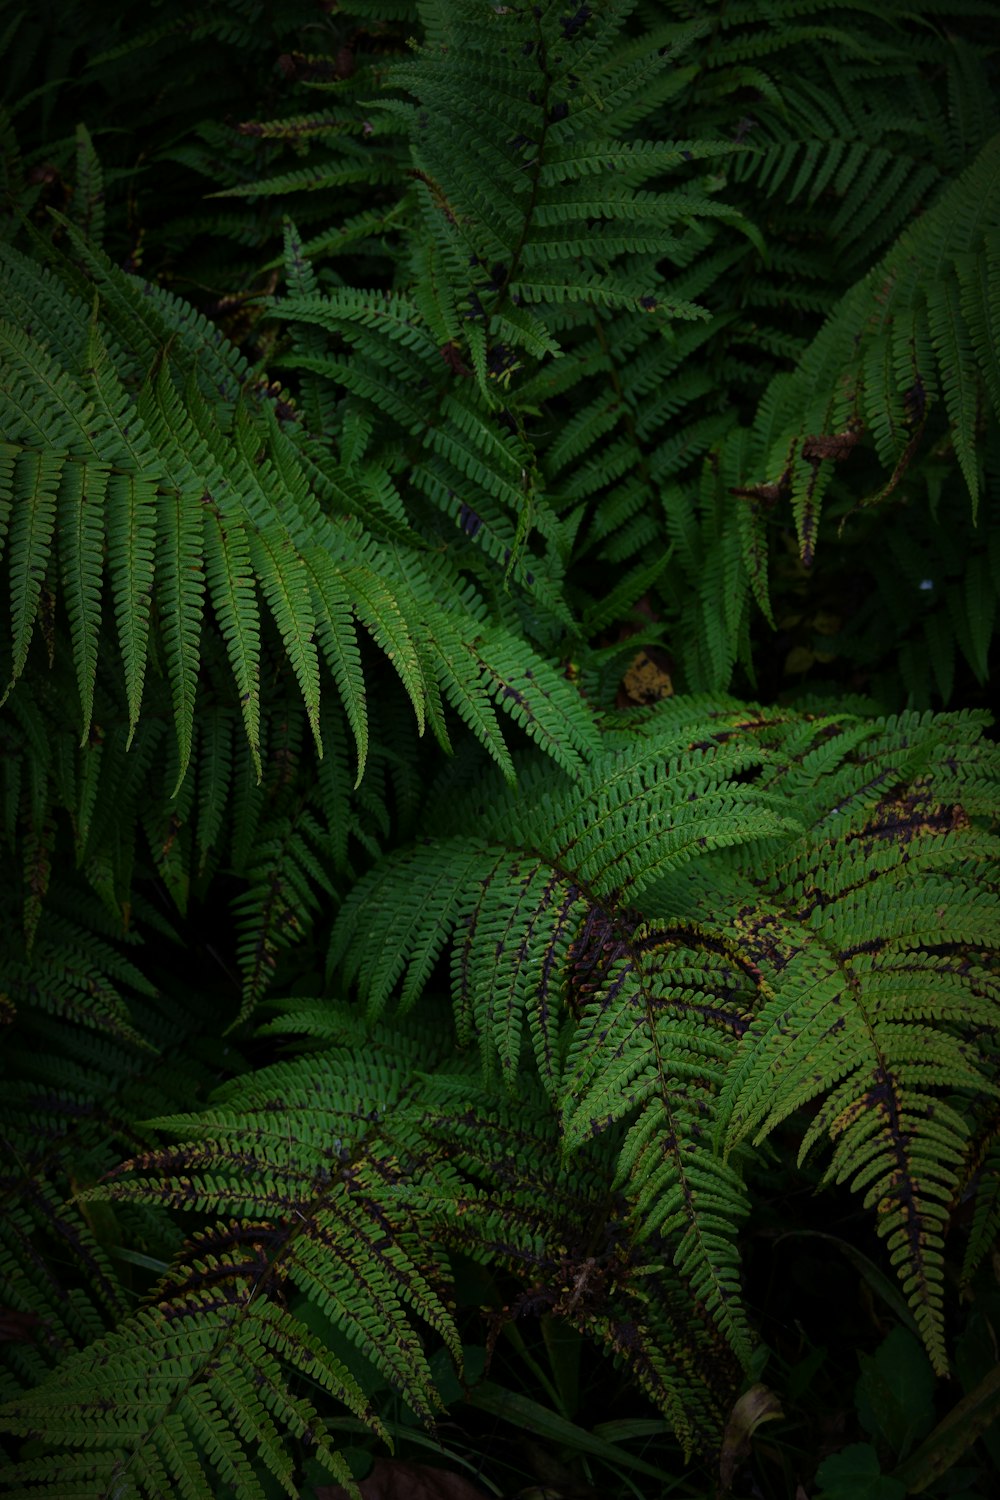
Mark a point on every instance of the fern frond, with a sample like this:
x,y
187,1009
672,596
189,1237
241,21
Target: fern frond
x,y
285,877
131,512
231,589
926,326
631,1051
688,959
179,567
217,497
848,1020
397,899
332,1217
173,1397
566,1234
88,189
544,704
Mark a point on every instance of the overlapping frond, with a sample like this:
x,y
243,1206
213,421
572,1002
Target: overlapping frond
x,y
687,959
604,327
363,1173
836,148
901,370
205,1374
569,1235
173,487
919,331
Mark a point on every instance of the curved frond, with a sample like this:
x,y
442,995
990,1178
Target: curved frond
x,y
691,962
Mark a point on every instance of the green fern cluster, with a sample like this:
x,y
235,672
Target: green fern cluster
x,y
708,996
658,964
845,127
354,929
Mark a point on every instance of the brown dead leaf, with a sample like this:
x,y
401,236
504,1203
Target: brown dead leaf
x,y
758,1404
647,679
836,445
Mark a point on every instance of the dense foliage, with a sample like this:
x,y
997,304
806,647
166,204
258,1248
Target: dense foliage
x,y
500,534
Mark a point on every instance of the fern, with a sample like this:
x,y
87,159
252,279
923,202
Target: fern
x,y
188,1397
239,523
874,370
646,1005
831,154
375,394
638,995
92,1046
216,1336
408,1162
902,363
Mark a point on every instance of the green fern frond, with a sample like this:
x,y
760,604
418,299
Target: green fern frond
x,y
285,878
631,1050
308,180
337,637
566,1234
670,976
220,1354
88,189
222,505
131,510
79,977
173,1398
921,314
396,900
546,706
231,588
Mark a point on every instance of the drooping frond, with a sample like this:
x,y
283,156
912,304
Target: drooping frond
x,y
192,493
919,331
